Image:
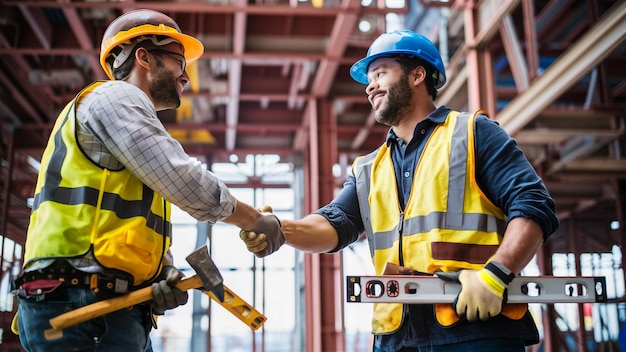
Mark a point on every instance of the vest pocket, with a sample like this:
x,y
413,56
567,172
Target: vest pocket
x,y
130,250
387,318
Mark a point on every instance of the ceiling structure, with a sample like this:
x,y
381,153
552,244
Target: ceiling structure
x,y
274,78
553,73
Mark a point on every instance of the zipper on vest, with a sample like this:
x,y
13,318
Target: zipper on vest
x,y
400,236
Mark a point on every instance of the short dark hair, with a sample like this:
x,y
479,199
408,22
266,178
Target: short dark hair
x,y
409,62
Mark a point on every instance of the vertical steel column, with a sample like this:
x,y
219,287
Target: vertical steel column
x,y
312,297
6,197
574,247
199,338
6,192
620,187
530,34
548,318
326,331
480,81
7,317
330,265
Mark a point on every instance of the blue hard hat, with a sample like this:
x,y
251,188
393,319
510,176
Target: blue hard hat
x,y
401,42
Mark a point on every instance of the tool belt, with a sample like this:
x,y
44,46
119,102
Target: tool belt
x,y
107,284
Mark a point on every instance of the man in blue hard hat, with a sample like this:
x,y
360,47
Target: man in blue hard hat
x,y
447,193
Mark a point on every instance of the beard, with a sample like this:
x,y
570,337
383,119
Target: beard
x,y
398,102
164,88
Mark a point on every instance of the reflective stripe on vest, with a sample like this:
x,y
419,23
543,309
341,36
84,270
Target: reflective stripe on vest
x,y
448,224
79,206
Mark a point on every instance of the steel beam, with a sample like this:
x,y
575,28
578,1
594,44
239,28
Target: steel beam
x,y
569,68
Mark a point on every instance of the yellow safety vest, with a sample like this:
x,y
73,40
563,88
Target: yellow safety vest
x,y
80,206
448,223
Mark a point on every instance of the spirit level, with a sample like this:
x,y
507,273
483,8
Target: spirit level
x,y
239,308
431,289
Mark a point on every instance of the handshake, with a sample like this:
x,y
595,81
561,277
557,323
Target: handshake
x,y
264,238
266,235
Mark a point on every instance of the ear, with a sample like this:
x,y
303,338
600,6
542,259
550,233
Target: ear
x,y
419,75
141,58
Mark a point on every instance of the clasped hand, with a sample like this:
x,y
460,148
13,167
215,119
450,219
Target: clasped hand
x,y
482,295
266,235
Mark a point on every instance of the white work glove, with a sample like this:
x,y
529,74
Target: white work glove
x,y
483,292
165,294
265,236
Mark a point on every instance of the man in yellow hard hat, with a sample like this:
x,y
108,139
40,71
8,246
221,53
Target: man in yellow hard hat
x,y
100,224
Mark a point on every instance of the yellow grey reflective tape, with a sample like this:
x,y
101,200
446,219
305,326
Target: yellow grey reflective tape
x,y
124,209
453,218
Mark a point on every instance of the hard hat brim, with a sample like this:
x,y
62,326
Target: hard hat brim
x,y
358,71
193,48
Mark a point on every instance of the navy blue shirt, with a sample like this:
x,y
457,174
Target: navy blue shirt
x,y
504,175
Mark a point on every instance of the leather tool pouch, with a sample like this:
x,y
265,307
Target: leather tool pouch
x,y
39,290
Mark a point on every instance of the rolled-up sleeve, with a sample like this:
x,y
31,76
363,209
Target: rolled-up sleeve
x,y
122,117
344,215
509,180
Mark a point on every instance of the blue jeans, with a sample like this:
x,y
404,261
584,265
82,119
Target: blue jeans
x,y
124,330
483,345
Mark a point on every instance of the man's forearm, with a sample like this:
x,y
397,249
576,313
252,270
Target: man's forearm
x,y
522,239
313,233
244,216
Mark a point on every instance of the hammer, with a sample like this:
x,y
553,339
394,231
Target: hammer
x,y
207,278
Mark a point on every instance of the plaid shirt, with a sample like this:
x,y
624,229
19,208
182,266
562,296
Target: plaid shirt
x,y
118,128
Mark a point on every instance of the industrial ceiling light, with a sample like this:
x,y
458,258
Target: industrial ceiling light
x,y
365,26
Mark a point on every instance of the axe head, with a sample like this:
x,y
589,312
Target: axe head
x,y
207,271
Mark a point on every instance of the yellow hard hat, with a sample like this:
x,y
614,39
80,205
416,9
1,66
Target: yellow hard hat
x,y
145,23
